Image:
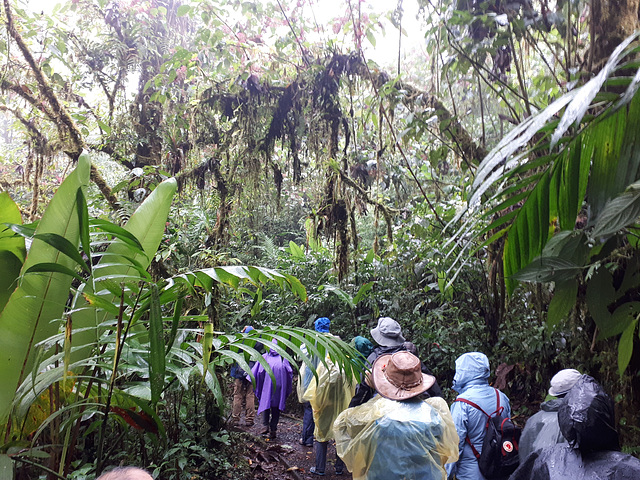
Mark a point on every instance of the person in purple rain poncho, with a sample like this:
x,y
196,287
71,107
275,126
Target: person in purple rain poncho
x,y
272,400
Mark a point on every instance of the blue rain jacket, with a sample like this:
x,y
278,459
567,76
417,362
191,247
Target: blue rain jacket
x,y
471,381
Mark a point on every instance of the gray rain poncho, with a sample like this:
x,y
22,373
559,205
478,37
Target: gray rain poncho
x,y
542,429
587,421
387,439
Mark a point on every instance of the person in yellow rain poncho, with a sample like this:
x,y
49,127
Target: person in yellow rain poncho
x,y
329,395
398,434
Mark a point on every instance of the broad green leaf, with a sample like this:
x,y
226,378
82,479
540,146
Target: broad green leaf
x,y
570,245
10,213
123,234
6,467
341,294
105,127
625,347
27,317
618,212
600,294
144,229
362,292
175,322
183,10
156,347
370,256
51,268
564,298
83,217
296,251
548,269
11,266
257,302
207,347
63,245
619,321
23,230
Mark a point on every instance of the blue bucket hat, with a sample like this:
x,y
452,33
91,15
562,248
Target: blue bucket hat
x,y
322,324
247,329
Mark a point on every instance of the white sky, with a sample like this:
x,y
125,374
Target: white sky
x,y
385,52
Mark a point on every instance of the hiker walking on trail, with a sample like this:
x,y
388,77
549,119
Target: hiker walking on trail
x,y
243,394
471,381
542,429
399,434
272,399
328,395
321,325
388,336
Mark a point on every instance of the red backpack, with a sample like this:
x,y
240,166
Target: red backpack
x,y
499,457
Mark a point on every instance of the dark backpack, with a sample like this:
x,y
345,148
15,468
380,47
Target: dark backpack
x,y
499,457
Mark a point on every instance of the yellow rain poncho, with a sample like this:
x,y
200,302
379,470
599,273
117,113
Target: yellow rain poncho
x,y
329,396
387,439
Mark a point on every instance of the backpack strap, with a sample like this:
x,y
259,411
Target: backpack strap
x,y
499,409
476,406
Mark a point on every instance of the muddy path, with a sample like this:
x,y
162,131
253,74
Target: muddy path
x,y
283,458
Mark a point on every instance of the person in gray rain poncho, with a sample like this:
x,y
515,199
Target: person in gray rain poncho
x,y
397,434
542,429
388,335
587,421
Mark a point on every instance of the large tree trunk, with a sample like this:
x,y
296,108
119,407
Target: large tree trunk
x,y
612,22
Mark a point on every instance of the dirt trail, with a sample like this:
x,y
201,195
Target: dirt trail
x,y
284,458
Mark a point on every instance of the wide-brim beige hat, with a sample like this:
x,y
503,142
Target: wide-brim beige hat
x,y
398,376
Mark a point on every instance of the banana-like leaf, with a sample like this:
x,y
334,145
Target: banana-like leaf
x,y
156,347
12,249
6,467
145,228
10,213
27,317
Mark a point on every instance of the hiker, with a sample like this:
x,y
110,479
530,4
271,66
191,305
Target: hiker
x,y
542,429
363,346
587,421
272,399
388,336
399,433
126,473
471,381
321,325
243,394
328,395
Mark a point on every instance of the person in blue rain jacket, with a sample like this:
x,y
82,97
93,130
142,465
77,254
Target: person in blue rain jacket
x,y
471,381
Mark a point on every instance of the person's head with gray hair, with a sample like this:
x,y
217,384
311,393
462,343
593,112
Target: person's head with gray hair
x,y
126,473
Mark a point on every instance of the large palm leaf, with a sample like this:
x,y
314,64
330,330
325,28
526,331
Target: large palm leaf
x,y
532,192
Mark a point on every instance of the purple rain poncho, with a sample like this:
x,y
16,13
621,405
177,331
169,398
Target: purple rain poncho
x,y
268,396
